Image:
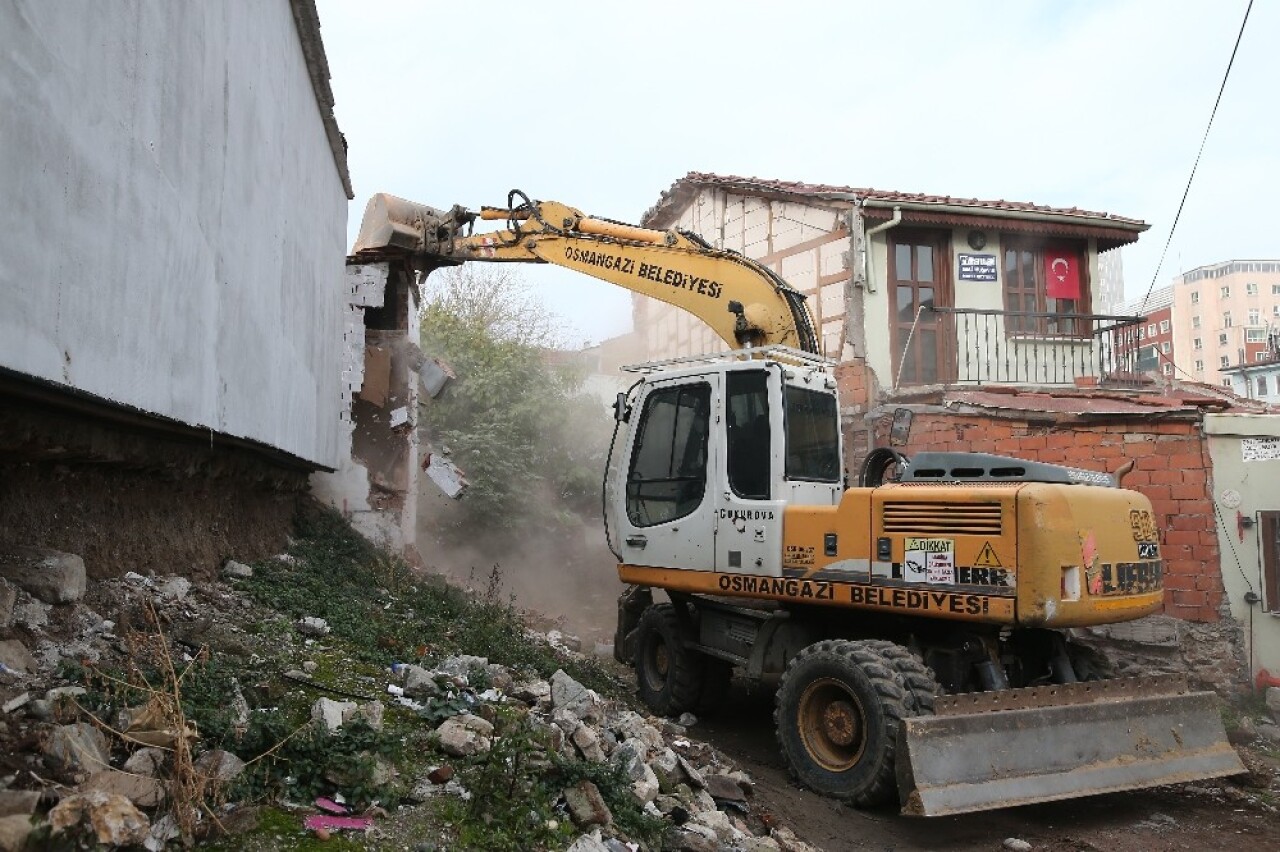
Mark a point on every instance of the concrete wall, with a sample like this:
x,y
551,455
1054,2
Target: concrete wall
x,y
173,232
1242,488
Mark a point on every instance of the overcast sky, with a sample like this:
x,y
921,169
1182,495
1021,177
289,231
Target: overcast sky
x,y
1098,105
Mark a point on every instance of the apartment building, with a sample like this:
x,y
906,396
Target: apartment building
x,y
1152,341
1223,314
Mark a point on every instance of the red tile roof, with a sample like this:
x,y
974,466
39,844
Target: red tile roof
x,y
683,190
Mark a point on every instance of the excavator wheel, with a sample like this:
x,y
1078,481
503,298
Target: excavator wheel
x,y
837,713
669,675
917,679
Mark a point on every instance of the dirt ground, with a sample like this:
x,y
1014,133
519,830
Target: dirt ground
x,y
1211,816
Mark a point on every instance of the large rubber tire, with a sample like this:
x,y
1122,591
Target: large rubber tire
x,y
669,675
917,679
837,712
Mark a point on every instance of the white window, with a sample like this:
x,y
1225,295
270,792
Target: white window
x,y
1275,310
1195,322
1226,383
1260,356
1275,291
1197,343
1222,340
1225,361
1256,335
1165,347
1164,326
1195,297
1255,316
1226,291
1168,369
1199,366
1251,289
1151,330
1141,332
1226,319
1262,385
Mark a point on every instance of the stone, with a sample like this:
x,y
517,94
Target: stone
x,y
725,788
371,712
718,822
586,806
588,843
13,699
1270,732
15,657
312,626
148,762
567,693
14,831
50,575
630,755
219,765
310,666
441,774
1272,697
465,735
692,774
461,665
78,747
176,588
41,710
691,838
1016,844
788,842
533,692
687,720
760,844
18,802
234,570
588,743
8,600
666,766
500,677
32,614
646,787
143,792
332,713
420,683
114,819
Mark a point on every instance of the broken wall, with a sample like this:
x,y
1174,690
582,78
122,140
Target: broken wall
x,y
173,231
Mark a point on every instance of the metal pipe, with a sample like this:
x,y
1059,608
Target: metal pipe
x,y
868,265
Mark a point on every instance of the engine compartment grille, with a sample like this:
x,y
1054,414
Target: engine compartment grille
x,y
940,518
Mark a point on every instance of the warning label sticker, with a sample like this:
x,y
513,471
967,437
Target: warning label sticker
x,y
987,557
930,560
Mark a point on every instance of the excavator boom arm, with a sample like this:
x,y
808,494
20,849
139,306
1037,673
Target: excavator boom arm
x,y
744,302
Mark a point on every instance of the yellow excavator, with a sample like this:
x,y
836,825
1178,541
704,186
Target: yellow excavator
x,y
915,623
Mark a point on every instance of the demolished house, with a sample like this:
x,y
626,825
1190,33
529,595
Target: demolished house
x,y
964,324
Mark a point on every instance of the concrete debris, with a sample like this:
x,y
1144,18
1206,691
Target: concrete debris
x,y
331,713
1016,844
14,832
588,843
462,665
586,806
568,694
142,791
447,476
14,802
434,374
234,570
50,575
77,748
687,720
588,743
219,765
176,588
15,657
465,735
112,818
313,627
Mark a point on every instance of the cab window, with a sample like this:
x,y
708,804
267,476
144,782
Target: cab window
x,y
813,435
747,412
668,475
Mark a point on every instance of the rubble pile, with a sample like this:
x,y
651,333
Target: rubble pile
x,y
86,760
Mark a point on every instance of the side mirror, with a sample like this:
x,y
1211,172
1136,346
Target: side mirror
x,y
621,411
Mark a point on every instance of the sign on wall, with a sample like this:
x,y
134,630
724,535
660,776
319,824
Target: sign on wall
x,y
1260,449
977,267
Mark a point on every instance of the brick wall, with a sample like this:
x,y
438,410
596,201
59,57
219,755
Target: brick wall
x,y
1171,467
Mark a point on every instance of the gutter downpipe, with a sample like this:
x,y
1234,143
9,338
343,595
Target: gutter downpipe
x,y
868,264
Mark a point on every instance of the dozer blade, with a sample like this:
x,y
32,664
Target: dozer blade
x,y
1015,747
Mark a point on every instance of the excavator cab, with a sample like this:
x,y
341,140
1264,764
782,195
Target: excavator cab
x,y
716,451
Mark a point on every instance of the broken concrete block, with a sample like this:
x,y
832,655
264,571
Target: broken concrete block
x,y
646,787
447,476
465,735
15,657
219,765
13,699
143,792
78,747
50,575
434,374
234,570
586,806
113,818
22,802
332,713
588,743
567,693
312,626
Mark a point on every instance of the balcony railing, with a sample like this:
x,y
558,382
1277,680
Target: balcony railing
x,y
979,346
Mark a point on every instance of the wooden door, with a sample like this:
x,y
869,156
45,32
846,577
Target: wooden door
x,y
919,279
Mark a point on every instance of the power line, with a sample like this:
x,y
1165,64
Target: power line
x,y
1155,276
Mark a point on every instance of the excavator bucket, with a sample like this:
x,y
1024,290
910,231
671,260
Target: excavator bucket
x,y
1015,747
394,223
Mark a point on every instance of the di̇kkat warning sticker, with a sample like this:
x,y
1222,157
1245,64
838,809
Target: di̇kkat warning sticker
x,y
930,560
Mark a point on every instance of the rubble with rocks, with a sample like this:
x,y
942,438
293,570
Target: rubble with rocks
x,y
110,777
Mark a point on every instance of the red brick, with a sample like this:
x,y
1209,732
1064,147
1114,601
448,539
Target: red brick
x,y
1176,536
1195,476
1033,442
1187,461
1062,440
1184,491
1209,583
1186,598
1166,477
1152,463
1180,582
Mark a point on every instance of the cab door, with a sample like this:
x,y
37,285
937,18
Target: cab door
x,y
748,515
667,518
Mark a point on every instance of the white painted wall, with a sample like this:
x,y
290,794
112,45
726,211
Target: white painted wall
x,y
1255,484
173,232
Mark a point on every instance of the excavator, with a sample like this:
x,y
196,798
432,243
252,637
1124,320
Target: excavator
x,y
917,623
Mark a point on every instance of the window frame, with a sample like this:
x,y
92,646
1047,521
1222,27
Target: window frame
x,y
1014,285
634,516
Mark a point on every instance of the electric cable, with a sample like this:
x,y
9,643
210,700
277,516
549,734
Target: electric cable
x,y
1185,192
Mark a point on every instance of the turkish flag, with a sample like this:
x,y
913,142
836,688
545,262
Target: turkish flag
x,y
1062,274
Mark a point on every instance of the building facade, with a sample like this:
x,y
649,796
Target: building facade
x,y
1152,340
1223,314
